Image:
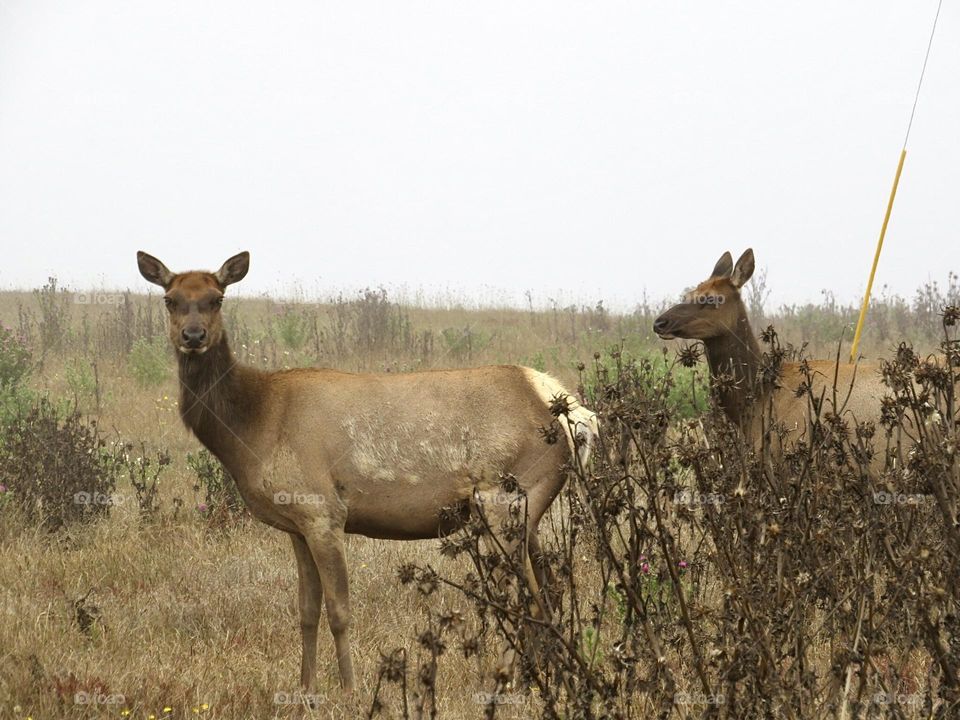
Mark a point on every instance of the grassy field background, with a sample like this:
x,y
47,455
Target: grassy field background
x,y
179,616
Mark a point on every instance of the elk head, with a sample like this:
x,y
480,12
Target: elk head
x,y
714,307
193,300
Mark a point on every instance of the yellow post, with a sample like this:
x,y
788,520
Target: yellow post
x,y
876,257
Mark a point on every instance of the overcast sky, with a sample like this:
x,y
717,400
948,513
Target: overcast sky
x,y
580,150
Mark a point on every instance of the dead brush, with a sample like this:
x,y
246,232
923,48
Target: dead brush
x,y
55,304
56,467
693,574
222,505
143,470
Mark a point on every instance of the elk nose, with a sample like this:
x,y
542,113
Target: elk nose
x,y
193,337
660,324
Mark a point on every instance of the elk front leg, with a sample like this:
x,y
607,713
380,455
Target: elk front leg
x,y
309,595
326,547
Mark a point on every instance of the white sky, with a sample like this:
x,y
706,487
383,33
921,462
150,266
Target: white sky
x,y
576,150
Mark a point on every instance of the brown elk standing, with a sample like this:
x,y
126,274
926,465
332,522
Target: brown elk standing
x,y
318,453
714,313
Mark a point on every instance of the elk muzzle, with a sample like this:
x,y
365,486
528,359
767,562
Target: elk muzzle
x,y
663,326
193,339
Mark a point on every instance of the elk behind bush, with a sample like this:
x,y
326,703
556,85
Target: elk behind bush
x,y
752,392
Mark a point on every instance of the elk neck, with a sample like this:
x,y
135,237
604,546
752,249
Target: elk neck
x,y
734,360
219,399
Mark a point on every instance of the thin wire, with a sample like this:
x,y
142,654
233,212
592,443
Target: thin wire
x,y
922,72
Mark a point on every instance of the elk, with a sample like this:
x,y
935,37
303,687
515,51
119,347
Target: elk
x,y
714,313
318,453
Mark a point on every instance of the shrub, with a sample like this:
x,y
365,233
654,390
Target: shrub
x,y
463,344
16,360
55,467
681,386
14,403
537,362
144,472
83,382
222,502
149,361
55,303
16,363
293,326
373,326
745,581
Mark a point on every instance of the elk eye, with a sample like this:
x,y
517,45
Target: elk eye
x,y
169,303
218,302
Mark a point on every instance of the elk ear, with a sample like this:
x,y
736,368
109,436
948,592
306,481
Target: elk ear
x,y
744,269
154,270
724,266
234,269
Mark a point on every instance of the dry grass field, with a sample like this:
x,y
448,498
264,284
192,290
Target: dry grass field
x,y
169,606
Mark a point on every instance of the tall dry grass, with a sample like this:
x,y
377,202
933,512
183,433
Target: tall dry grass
x,y
183,615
